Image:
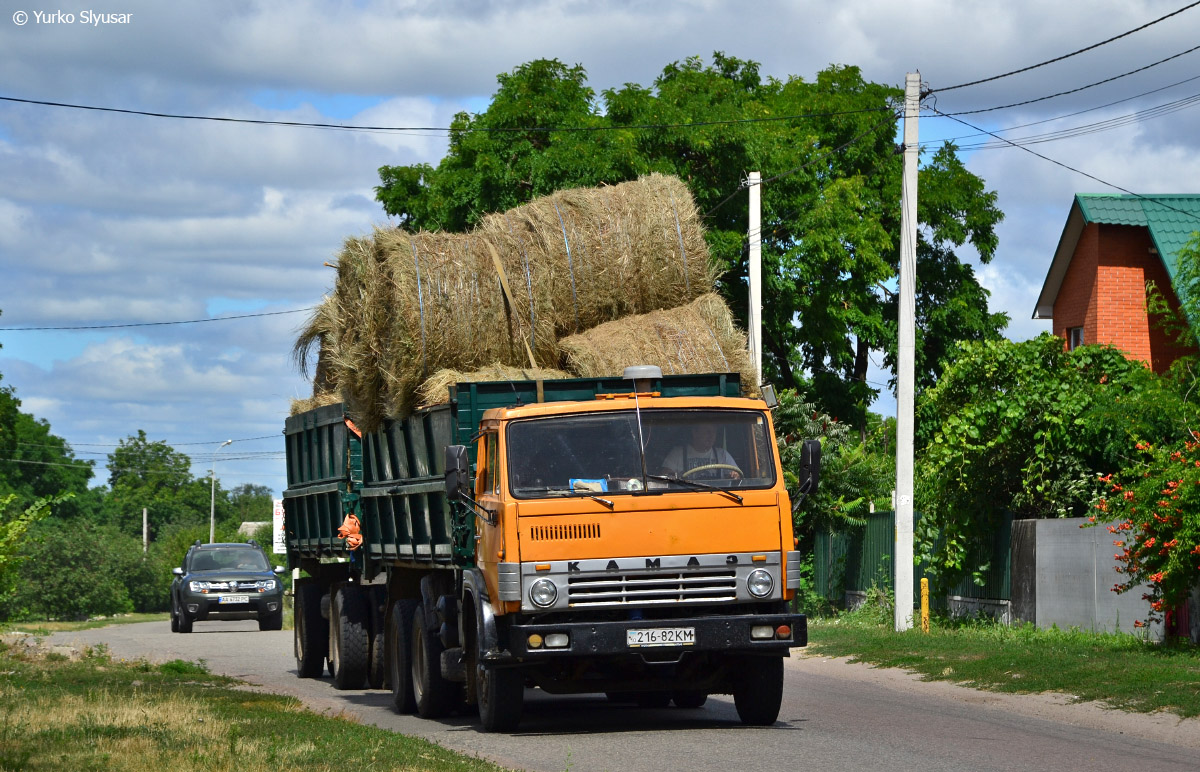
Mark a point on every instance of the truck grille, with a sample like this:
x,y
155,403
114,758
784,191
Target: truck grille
x,y
649,588
568,531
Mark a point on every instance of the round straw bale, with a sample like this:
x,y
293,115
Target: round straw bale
x,y
406,305
700,337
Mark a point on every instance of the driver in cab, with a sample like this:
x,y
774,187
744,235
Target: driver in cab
x,y
700,459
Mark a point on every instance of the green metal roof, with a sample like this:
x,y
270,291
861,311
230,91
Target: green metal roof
x,y
1171,219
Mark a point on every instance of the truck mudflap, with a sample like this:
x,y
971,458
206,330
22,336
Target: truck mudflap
x,y
769,634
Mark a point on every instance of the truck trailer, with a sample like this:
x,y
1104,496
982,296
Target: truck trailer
x,y
569,535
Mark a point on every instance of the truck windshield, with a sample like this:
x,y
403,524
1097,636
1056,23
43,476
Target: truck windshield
x,y
598,452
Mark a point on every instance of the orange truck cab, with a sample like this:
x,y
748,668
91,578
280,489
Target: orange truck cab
x,y
632,538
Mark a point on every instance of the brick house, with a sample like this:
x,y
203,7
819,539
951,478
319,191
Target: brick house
x,y
1110,247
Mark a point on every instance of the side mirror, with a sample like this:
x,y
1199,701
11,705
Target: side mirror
x,y
279,569
457,472
810,465
177,570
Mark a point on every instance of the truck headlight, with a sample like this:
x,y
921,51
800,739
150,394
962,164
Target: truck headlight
x,y
543,593
760,583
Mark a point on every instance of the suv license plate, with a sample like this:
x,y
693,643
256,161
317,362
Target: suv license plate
x,y
661,636
235,599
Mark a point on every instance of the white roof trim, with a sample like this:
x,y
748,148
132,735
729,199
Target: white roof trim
x,y
1062,260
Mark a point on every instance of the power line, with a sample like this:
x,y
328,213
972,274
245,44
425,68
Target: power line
x,y
158,324
1091,128
443,129
1153,199
1080,112
1065,56
1074,90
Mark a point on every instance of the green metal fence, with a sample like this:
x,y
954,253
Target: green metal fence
x,y
857,559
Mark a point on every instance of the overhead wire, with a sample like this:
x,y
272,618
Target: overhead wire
x,y
441,129
1156,200
1064,56
1073,90
156,324
1077,112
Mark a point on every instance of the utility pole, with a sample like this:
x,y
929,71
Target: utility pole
x,y
903,551
754,320
145,531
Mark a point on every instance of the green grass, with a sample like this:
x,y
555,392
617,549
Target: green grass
x,y
97,713
46,628
1118,670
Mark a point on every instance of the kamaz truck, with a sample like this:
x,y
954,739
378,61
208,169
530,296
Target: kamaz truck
x,y
573,536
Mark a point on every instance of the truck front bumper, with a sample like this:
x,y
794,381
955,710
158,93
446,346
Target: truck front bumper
x,y
656,638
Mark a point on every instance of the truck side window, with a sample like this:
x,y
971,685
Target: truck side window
x,y
491,475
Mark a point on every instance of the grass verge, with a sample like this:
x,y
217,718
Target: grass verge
x,y
46,628
1117,670
95,713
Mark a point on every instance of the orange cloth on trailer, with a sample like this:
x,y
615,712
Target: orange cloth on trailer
x,y
351,531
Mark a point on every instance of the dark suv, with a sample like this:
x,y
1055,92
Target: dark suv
x,y
226,581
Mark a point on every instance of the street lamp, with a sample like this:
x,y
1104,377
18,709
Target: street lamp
x,y
212,508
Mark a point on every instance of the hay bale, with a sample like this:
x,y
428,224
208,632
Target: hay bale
x,y
319,399
406,305
699,337
436,390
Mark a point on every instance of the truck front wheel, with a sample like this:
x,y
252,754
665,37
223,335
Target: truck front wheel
x,y
501,697
758,693
435,696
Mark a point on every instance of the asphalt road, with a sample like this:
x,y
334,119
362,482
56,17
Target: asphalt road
x,y
836,717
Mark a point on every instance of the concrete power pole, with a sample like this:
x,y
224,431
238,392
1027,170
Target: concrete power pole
x,y
903,552
754,319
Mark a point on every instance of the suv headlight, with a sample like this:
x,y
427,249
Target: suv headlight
x,y
265,585
760,583
543,593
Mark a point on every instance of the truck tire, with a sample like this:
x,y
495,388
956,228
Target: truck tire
x,y
377,670
349,639
399,649
435,696
758,693
501,696
311,631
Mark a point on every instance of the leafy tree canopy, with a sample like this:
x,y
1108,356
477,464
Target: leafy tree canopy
x,y
830,215
1028,427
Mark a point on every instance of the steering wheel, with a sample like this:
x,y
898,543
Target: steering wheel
x,y
706,467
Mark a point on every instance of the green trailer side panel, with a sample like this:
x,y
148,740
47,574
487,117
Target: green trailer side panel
x,y
394,477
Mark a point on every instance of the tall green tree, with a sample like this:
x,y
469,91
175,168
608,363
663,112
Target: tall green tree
x,y
150,474
830,205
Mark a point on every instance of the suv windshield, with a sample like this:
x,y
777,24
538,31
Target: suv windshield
x,y
229,559
598,452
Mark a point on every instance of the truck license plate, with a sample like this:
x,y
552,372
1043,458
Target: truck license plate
x,y
661,636
235,599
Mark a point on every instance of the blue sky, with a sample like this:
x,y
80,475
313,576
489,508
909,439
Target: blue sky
x,y
114,219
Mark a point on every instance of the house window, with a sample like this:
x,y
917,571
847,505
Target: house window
x,y
1074,338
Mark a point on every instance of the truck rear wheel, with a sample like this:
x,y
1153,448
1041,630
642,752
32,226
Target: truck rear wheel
x,y
758,693
349,642
399,646
311,631
501,697
435,696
